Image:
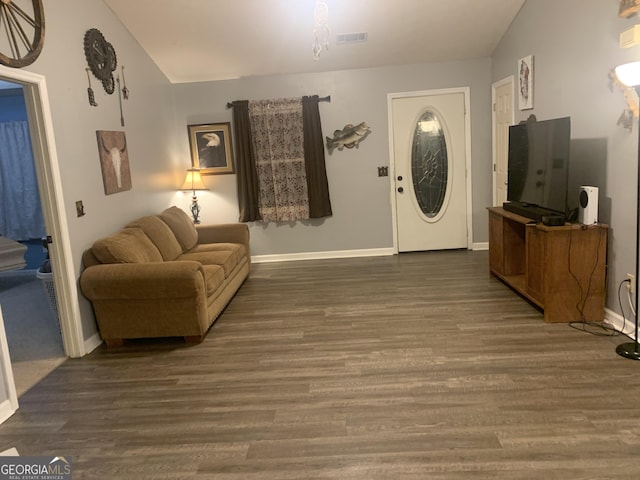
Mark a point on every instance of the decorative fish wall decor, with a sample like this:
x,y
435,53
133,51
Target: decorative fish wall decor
x,y
350,136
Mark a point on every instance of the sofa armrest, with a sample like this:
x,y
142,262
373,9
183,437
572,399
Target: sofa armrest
x,y
224,233
154,280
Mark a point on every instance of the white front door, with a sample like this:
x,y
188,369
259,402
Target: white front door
x,y
429,150
502,119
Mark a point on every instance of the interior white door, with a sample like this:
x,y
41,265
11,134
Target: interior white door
x,y
502,119
8,395
430,171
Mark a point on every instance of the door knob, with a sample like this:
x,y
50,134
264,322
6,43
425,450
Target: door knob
x,y
400,189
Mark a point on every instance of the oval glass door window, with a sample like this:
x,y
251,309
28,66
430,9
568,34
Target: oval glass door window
x,y
430,165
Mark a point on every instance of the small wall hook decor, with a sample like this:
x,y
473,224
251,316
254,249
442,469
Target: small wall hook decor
x,y
125,90
92,96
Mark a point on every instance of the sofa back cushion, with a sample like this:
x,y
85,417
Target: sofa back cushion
x,y
181,226
129,245
160,234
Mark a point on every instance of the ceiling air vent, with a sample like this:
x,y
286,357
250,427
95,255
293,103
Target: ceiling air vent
x,y
345,38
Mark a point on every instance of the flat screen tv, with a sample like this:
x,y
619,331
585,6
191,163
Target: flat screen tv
x,y
538,168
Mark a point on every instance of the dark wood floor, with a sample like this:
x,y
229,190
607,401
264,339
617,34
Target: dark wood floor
x,y
417,366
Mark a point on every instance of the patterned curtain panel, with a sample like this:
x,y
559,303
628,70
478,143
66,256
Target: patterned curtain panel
x,y
21,215
278,144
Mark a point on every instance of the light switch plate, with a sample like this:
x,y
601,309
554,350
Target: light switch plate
x,y
79,208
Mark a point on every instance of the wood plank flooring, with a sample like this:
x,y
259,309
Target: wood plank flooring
x,y
415,366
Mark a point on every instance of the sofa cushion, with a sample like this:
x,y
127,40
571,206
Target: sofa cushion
x,y
181,226
160,234
129,245
239,249
226,259
213,277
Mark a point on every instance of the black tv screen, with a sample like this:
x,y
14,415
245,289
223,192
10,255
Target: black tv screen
x,y
538,167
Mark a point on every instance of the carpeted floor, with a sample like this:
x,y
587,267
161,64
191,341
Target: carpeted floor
x,y
33,334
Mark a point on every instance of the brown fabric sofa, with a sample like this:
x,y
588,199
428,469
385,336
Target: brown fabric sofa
x,y
163,276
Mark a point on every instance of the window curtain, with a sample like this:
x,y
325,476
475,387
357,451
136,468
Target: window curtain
x,y
280,160
276,127
317,184
21,215
248,187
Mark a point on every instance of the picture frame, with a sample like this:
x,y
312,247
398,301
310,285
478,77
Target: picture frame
x,y
525,83
628,8
211,149
114,161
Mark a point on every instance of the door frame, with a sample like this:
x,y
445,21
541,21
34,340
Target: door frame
x,y
8,404
392,161
494,86
51,194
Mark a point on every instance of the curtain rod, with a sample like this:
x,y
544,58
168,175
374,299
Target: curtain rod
x,y
320,99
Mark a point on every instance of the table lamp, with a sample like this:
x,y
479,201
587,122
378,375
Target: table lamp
x,y
193,182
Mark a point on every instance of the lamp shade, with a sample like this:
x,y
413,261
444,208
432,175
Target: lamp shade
x,y
629,74
193,181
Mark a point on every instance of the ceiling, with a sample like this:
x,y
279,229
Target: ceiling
x,y
205,40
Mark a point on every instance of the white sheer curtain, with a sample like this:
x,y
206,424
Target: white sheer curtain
x,y
20,209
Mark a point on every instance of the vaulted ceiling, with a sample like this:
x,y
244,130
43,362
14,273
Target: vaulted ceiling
x,y
204,40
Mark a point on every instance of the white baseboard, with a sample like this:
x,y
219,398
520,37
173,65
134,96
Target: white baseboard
x,y
6,410
617,322
373,252
290,257
91,343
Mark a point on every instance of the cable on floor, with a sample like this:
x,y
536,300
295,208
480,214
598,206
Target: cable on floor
x,y
600,329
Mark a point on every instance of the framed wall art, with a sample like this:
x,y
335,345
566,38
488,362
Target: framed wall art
x,y
628,8
211,150
114,161
525,83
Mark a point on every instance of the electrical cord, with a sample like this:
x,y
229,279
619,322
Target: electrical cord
x,y
604,330
631,305
583,296
593,328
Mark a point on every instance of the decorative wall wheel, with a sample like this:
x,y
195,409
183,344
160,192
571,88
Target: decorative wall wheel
x,y
21,32
101,58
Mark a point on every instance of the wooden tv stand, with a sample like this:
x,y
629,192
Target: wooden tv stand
x,y
562,269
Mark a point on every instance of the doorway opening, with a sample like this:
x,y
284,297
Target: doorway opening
x,y
50,188
30,314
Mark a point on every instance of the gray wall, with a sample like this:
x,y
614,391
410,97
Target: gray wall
x,y
360,199
157,115
575,45
150,126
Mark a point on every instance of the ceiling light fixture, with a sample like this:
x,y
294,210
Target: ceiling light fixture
x,y
321,29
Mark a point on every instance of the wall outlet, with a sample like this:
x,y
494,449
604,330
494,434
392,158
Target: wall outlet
x,y
631,286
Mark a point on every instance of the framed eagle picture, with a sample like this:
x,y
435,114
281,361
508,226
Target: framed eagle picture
x,y
210,146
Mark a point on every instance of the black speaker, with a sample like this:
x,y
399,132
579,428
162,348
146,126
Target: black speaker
x,y
553,220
